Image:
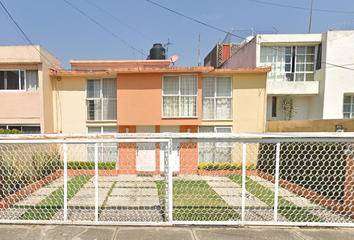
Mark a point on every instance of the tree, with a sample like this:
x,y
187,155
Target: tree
x,y
289,107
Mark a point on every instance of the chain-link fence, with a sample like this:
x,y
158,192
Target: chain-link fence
x,y
177,179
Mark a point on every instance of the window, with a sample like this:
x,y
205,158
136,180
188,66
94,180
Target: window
x,y
215,152
348,106
217,98
289,63
27,129
107,152
19,80
179,96
101,99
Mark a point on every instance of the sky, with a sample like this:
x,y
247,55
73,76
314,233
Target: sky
x,y
126,30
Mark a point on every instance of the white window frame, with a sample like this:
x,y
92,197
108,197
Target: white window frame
x,y
179,95
215,97
101,98
350,104
273,59
103,145
21,88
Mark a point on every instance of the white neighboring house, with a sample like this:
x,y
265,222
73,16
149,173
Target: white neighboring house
x,y
316,70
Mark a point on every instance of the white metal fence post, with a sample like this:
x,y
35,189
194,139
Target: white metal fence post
x,y
276,190
243,181
96,182
65,182
170,183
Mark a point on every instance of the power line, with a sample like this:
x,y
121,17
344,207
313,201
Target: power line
x,y
24,34
218,29
107,30
300,8
118,20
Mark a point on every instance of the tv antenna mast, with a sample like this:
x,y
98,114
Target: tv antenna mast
x,y
166,46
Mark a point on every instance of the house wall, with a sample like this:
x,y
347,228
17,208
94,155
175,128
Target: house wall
x,y
339,81
301,102
140,100
245,57
69,105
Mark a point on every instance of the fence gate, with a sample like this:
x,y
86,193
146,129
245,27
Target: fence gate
x,y
165,179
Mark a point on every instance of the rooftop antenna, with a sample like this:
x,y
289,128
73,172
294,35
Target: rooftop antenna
x,y
199,63
167,44
276,30
310,17
252,32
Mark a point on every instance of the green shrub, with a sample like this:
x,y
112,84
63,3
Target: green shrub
x,y
10,131
90,165
225,166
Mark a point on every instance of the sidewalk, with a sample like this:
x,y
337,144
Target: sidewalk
x,y
63,232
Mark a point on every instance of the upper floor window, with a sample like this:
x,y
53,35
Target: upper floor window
x,y
101,99
179,96
19,80
289,63
217,98
348,106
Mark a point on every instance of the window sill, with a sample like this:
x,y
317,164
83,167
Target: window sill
x,y
179,117
213,120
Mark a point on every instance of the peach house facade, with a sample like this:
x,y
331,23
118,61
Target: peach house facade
x,y
149,96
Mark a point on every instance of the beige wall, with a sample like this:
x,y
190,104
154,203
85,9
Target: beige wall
x,y
19,107
310,125
69,105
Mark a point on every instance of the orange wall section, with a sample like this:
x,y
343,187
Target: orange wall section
x,y
139,100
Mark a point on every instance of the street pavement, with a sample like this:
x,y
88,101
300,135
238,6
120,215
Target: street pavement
x,y
70,232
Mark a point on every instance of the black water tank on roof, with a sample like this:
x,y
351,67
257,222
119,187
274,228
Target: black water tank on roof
x,y
157,52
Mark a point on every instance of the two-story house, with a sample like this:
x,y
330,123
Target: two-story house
x,y
315,70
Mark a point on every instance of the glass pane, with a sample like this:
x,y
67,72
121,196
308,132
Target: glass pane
x,y
310,58
288,50
310,76
310,67
31,129
170,85
223,129
206,129
94,88
94,130
109,88
311,50
346,115
13,80
288,59
188,106
352,110
170,106
289,77
94,109
300,59
287,67
263,59
264,51
300,77
300,67
347,99
346,108
110,129
208,87
300,50
189,85
223,87
2,80
22,80
208,109
280,77
223,108
31,80
109,109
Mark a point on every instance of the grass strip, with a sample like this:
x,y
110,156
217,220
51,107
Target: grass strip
x,y
196,201
46,209
106,199
286,208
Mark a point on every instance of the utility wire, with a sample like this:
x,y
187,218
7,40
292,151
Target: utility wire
x,y
221,30
24,34
300,8
107,30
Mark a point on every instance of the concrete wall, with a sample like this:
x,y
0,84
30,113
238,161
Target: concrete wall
x,y
339,81
302,102
317,125
245,57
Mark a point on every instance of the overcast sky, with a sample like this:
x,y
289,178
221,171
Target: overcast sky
x,y
70,35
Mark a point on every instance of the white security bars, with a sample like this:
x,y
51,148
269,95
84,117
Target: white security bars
x,y
267,179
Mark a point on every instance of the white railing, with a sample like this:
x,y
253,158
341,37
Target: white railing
x,y
302,179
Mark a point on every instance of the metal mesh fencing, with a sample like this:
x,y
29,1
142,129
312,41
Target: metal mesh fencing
x,y
178,181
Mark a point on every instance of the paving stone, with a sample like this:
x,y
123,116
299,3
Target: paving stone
x,y
99,232
135,191
223,184
12,213
86,197
155,233
325,234
131,215
84,214
31,200
302,202
228,191
250,201
44,191
133,201
329,216
64,232
135,184
101,184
